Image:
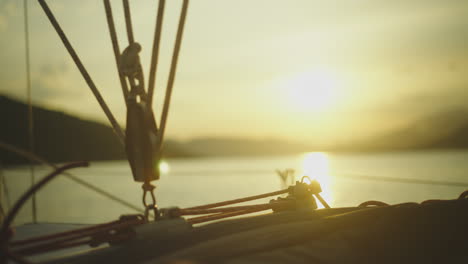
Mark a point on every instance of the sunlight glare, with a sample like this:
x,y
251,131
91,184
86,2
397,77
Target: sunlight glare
x,y
314,90
316,165
164,167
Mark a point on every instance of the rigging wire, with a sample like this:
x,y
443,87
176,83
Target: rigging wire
x,y
17,206
30,108
69,176
128,22
91,235
216,216
155,52
131,40
115,46
241,200
4,194
5,232
117,129
172,73
264,206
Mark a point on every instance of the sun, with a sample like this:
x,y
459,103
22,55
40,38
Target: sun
x,y
314,90
317,166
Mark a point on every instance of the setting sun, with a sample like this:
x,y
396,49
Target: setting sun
x,y
316,165
314,90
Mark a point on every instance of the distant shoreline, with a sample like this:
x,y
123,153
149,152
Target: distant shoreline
x,y
61,137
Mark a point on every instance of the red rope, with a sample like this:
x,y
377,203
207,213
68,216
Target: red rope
x,y
70,238
4,238
206,218
240,200
234,208
61,234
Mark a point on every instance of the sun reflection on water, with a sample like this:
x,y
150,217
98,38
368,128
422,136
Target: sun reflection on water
x,y
316,165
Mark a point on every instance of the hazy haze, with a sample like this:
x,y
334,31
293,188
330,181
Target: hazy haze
x,y
313,71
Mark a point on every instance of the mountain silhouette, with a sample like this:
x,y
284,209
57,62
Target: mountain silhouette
x,y
59,137
444,130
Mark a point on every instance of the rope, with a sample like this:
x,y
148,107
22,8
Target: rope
x,y
240,200
69,176
128,21
155,53
322,201
172,73
115,46
22,200
3,194
4,191
103,193
30,109
89,235
266,206
136,89
117,129
206,218
98,234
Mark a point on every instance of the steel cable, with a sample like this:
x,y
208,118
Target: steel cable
x,y
19,204
240,200
118,130
128,21
115,46
172,73
155,52
69,176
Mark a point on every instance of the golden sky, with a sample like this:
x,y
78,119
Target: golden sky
x,y
313,71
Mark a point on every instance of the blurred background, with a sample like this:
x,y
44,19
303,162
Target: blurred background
x,y
328,88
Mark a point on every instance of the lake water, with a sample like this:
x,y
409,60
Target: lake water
x,y
346,180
